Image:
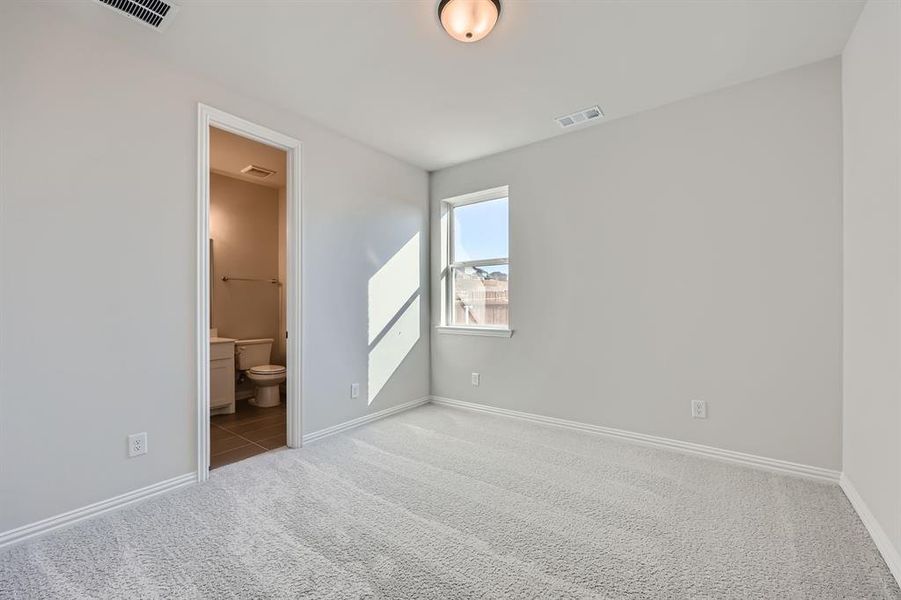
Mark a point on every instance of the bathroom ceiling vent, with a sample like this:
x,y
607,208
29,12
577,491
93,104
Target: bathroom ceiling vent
x,y
587,115
153,13
255,171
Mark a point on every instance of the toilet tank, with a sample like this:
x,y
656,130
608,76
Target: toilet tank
x,y
253,353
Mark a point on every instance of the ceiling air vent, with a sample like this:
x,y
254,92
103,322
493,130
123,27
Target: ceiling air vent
x,y
154,13
587,115
255,171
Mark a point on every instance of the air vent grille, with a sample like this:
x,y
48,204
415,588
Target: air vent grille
x,y
587,115
154,13
255,171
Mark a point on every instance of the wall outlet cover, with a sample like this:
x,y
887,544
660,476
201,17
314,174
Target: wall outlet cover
x,y
476,378
699,409
355,390
137,444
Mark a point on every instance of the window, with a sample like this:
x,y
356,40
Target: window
x,y
478,264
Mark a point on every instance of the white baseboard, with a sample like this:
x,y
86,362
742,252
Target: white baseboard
x,y
318,435
92,510
880,538
98,508
751,460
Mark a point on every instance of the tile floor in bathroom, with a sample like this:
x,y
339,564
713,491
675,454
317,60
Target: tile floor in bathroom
x,y
248,431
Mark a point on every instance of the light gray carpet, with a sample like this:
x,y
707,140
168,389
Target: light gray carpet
x,y
443,503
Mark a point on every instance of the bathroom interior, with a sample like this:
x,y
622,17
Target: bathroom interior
x,y
248,243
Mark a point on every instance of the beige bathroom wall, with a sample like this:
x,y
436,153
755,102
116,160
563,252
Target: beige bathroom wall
x,y
281,350
244,227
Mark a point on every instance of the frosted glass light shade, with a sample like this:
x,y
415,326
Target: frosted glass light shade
x,y
469,20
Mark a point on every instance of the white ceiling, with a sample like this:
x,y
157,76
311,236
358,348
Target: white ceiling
x,y
229,153
385,73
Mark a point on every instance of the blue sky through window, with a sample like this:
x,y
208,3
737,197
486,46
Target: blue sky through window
x,y
480,230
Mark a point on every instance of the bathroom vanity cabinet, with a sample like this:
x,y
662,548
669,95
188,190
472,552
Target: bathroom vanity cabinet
x,y
222,376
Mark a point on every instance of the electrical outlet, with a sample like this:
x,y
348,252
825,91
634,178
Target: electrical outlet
x,y
698,409
355,390
476,378
137,444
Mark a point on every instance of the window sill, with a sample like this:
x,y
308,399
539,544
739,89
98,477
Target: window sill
x,y
483,331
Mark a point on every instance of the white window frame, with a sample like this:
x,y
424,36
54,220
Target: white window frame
x,y
448,206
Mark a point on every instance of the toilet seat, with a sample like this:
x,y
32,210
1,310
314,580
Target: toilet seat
x,y
267,380
268,370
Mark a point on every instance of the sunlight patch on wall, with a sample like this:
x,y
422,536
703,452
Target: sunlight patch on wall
x,y
392,286
394,314
391,349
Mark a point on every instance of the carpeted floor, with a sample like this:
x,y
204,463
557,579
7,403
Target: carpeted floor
x,y
443,503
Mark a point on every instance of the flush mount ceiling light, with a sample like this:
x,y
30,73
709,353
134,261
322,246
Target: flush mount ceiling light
x,y
468,20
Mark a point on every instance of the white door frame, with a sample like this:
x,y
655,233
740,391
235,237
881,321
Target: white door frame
x,y
207,117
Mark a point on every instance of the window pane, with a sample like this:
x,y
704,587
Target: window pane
x,y
480,296
480,230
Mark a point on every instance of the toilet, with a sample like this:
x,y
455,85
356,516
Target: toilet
x,y
253,359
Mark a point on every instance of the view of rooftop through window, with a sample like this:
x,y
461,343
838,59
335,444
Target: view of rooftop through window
x,y
480,264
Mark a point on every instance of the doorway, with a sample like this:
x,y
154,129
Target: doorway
x,y
257,395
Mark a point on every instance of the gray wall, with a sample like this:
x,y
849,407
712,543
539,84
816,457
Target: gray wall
x,y
872,259
98,155
691,251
